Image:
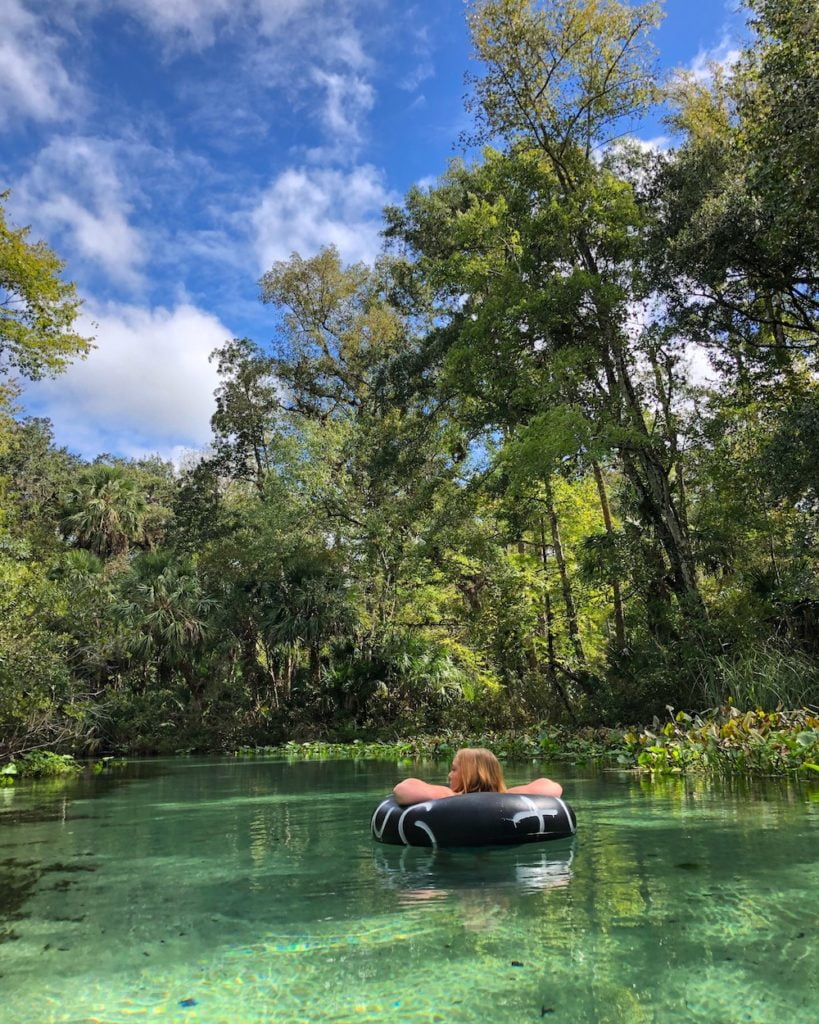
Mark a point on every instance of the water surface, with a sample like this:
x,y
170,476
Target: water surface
x,y
221,892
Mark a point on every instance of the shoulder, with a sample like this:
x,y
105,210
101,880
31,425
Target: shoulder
x,y
538,787
416,791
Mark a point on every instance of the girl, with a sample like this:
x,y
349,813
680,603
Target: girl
x,y
474,770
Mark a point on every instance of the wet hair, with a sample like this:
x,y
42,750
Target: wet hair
x,y
480,771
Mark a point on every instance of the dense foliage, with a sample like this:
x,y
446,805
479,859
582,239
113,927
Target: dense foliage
x,y
551,459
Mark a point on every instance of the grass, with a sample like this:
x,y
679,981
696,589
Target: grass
x,y
762,677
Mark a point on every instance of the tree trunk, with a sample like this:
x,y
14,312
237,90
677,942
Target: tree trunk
x,y
655,487
617,599
651,483
568,598
548,630
532,659
641,461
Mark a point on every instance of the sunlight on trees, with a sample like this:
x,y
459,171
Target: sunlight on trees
x,y
474,485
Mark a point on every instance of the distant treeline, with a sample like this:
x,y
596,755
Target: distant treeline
x,y
553,457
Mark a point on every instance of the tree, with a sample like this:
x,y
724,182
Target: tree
x,y
527,325
562,79
106,511
336,331
538,252
383,455
37,308
247,404
737,237
165,614
562,76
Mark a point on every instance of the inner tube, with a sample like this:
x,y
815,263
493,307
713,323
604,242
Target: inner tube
x,y
474,819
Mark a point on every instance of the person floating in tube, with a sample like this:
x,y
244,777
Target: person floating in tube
x,y
474,770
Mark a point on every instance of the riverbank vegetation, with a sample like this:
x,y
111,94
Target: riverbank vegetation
x,y
724,741
551,460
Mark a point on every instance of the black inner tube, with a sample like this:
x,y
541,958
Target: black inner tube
x,y
474,819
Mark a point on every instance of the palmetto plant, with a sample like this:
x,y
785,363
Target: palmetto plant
x,y
308,606
106,511
166,618
78,567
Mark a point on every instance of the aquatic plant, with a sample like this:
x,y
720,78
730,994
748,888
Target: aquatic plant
x,y
42,764
729,740
723,740
579,747
763,676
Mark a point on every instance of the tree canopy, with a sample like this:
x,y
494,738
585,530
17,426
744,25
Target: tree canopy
x,y
552,458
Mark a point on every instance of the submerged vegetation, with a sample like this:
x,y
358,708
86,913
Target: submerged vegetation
x,y
477,486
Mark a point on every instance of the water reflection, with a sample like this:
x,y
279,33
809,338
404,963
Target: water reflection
x,y
256,889
423,874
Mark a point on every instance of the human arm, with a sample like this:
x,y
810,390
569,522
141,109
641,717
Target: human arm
x,y
416,791
538,787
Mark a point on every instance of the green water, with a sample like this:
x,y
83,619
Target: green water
x,y
252,892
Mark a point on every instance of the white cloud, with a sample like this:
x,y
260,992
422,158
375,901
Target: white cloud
x,y
346,48
312,49
348,98
428,182
192,22
33,81
305,209
75,188
199,24
724,55
658,144
420,73
275,14
147,387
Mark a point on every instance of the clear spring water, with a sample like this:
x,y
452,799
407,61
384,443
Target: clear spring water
x,y
224,892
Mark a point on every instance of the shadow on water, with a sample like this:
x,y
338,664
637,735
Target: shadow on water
x,y
46,801
18,880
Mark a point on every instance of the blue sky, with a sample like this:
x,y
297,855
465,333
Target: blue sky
x,y
171,150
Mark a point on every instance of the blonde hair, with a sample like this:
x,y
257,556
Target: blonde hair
x,y
480,771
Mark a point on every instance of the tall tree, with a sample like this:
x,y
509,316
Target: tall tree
x,y
384,455
538,251
246,411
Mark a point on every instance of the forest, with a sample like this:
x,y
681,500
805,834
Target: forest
x,y
552,459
